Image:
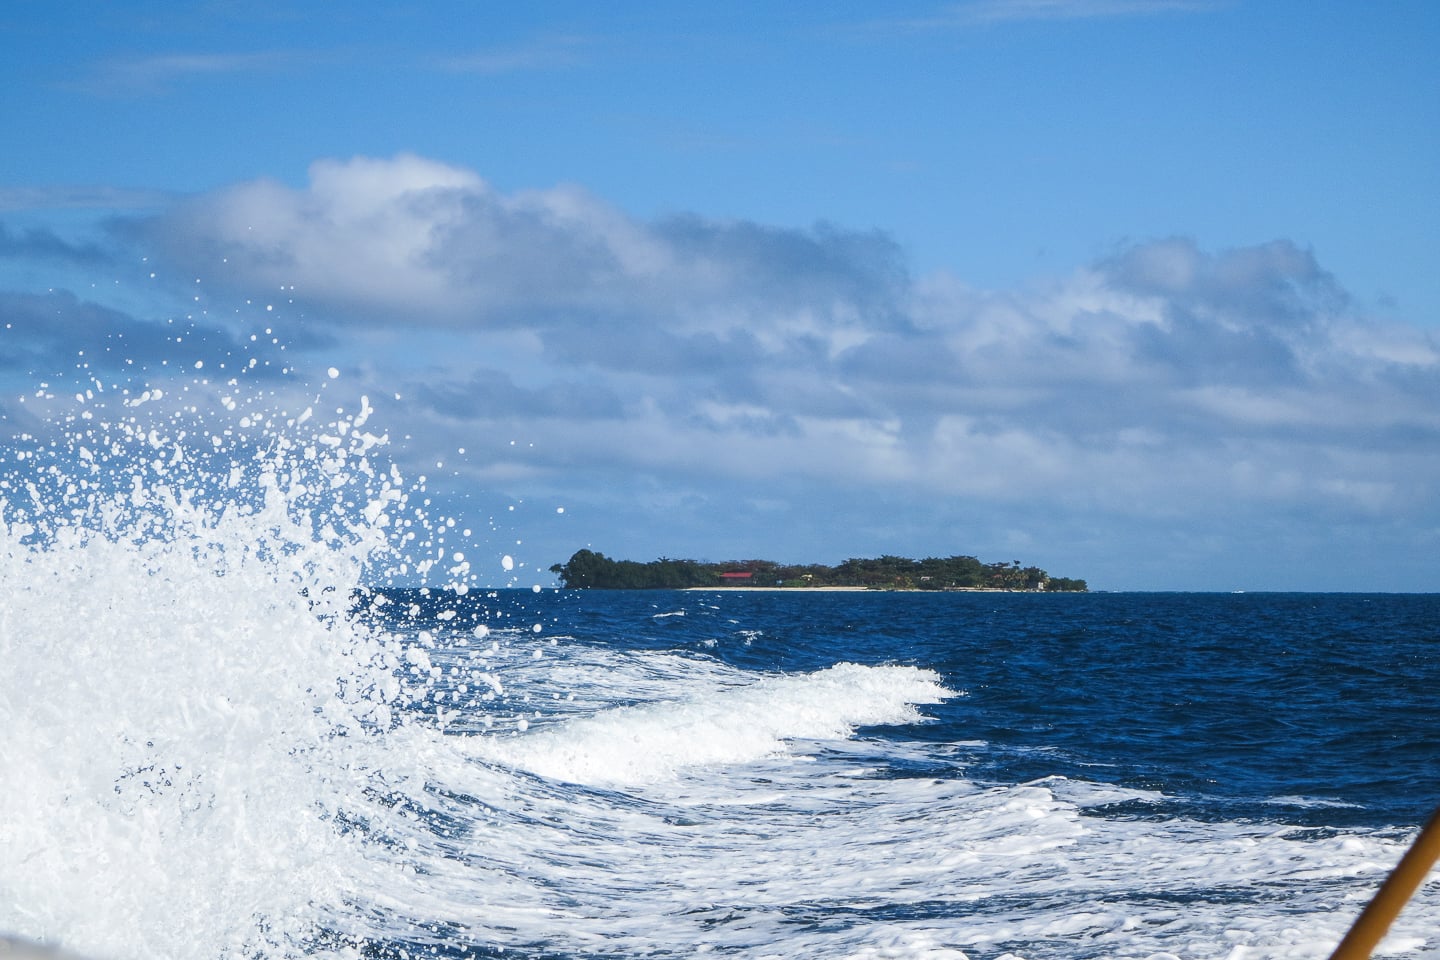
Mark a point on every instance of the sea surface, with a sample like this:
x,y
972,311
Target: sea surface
x,y
224,734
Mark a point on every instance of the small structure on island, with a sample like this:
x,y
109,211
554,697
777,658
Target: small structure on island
x,y
736,576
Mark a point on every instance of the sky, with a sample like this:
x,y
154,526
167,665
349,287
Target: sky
x,y
1137,291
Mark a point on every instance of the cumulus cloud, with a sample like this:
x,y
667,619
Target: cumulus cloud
x,y
1159,383
822,333
409,237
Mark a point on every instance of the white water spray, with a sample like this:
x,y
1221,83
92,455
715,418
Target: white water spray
x,y
184,690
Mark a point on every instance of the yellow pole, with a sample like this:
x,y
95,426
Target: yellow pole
x,y
1393,894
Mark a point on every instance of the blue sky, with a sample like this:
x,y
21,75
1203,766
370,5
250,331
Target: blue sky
x,y
1136,290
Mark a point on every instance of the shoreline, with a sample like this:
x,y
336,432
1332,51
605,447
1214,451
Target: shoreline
x,y
861,590
777,589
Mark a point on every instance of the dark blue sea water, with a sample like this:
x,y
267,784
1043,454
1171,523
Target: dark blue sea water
x,y
1297,708
1108,775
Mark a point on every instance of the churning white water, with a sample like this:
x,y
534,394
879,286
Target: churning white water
x,y
208,753
187,707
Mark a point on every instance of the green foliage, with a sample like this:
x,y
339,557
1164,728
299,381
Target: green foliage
x,y
590,570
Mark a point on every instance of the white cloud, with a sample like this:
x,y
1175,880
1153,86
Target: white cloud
x,y
435,244
356,237
1162,388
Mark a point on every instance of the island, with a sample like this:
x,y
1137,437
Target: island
x,y
587,570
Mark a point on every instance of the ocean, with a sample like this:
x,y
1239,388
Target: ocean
x,y
234,726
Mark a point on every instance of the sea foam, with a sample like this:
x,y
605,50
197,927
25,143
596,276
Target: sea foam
x,y
721,726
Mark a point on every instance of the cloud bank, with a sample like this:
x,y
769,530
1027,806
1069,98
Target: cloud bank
x,y
379,239
751,381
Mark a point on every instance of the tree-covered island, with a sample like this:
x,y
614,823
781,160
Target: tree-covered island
x,y
587,569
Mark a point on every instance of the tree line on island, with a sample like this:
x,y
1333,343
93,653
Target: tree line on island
x,y
587,569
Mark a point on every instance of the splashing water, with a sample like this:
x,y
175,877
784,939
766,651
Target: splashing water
x,y
220,742
184,688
